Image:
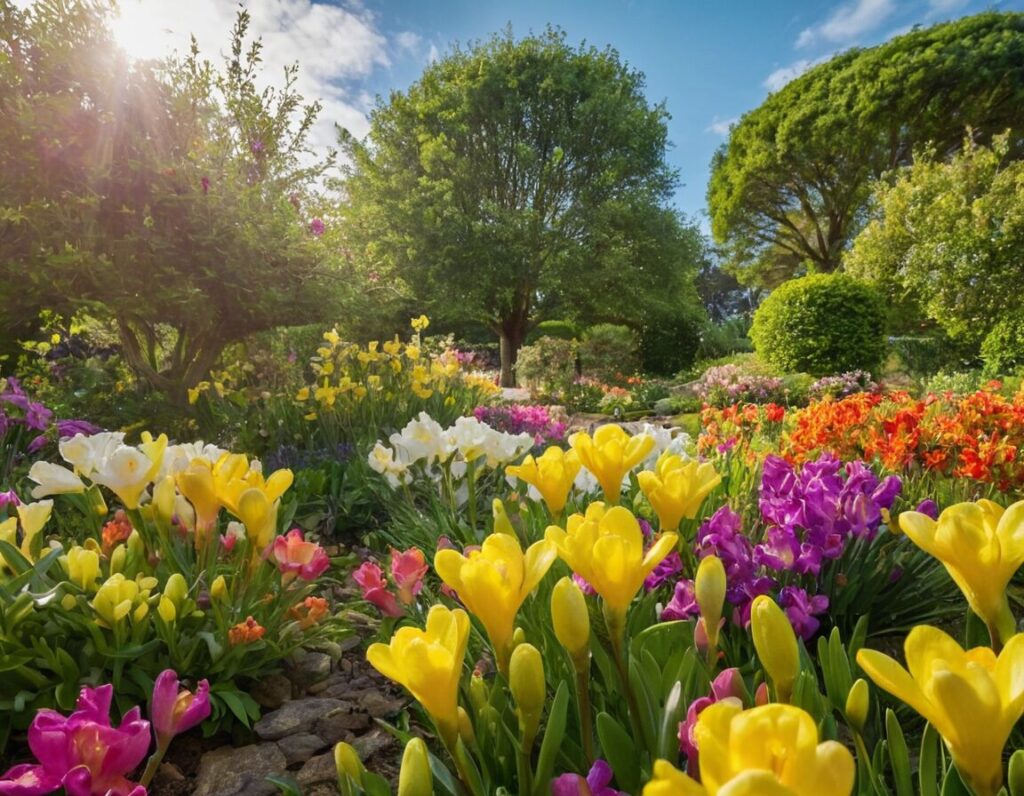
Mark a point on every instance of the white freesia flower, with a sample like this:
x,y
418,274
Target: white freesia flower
x,y
670,440
178,457
126,472
382,460
422,438
52,479
86,453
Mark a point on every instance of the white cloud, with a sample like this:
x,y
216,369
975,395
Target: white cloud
x,y
407,40
720,127
336,46
784,74
849,21
434,54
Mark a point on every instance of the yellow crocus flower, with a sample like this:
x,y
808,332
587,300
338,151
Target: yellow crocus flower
x,y
429,664
771,750
552,473
677,487
606,548
972,697
494,581
610,454
981,546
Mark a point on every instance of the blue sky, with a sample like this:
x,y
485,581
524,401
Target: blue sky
x,y
709,61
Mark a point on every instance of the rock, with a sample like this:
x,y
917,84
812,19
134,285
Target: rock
x,y
380,706
349,643
239,772
295,716
373,742
300,747
316,770
168,772
310,668
272,691
339,723
318,688
322,789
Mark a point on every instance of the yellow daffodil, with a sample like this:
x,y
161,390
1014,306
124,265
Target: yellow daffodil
x,y
494,581
982,546
676,488
429,664
552,473
606,548
709,588
771,750
776,645
610,454
972,697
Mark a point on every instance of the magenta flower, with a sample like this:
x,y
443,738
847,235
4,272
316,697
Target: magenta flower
x,y
205,183
929,507
9,498
174,710
728,685
82,753
669,568
683,604
297,557
597,783
407,571
370,578
802,609
316,227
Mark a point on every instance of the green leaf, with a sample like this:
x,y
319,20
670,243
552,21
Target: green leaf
x,y
618,749
554,732
928,763
898,755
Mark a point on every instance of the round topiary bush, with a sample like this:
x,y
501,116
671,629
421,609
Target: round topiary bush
x,y
1003,347
821,324
560,330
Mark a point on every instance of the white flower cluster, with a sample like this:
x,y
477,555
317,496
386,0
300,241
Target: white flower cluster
x,y
424,442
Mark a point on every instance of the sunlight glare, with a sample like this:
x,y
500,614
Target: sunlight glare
x,y
140,29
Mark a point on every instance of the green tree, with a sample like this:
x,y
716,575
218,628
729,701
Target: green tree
x,y
173,198
519,179
947,237
790,186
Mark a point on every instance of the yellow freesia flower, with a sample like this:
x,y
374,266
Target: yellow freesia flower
x,y
972,697
709,588
771,750
494,581
606,548
196,483
552,473
83,567
116,598
33,517
259,516
776,645
429,664
982,546
610,454
677,488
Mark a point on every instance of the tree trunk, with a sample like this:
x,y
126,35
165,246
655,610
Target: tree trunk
x,y
511,334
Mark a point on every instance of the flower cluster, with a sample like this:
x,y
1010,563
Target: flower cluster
x,y
740,429
523,419
725,385
25,423
437,451
408,569
849,383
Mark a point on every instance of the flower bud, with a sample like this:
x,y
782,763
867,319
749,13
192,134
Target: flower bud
x,y
776,645
571,619
415,778
348,764
166,609
761,695
1015,778
164,495
857,705
466,732
526,681
118,559
709,588
219,588
518,637
176,589
502,524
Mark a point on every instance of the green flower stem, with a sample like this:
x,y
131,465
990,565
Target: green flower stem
x,y
617,636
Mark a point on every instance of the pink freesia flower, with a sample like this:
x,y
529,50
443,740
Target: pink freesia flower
x,y
597,783
82,753
370,578
173,709
728,685
297,557
407,571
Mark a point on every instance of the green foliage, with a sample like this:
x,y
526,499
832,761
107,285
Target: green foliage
x,y
949,234
563,330
669,341
925,355
822,324
1003,347
549,365
790,186
545,162
609,351
178,202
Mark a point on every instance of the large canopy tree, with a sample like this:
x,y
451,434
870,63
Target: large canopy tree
x,y
171,198
516,177
789,188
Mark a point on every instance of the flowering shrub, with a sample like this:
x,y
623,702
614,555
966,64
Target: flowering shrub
x,y
844,384
165,581
521,419
725,385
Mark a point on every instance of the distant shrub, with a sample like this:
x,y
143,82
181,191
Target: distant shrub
x,y
925,355
958,383
562,330
609,351
821,324
669,342
549,365
1003,348
729,384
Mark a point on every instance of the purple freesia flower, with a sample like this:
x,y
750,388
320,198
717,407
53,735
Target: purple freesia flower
x,y
316,226
802,609
175,710
669,567
585,587
683,604
69,428
82,753
9,498
597,783
929,507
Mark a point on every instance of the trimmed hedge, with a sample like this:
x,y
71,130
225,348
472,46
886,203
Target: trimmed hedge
x,y
821,324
